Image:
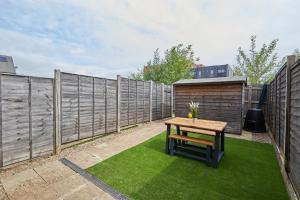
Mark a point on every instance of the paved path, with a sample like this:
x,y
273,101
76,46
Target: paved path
x,y
48,178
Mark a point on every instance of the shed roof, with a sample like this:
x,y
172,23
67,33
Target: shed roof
x,y
234,79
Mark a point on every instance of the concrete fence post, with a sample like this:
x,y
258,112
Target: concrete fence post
x,y
118,103
150,98
57,111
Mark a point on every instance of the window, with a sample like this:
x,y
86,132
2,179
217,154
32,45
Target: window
x,y
3,59
199,73
221,70
211,72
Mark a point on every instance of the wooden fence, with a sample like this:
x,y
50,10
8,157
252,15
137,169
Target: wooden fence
x,y
283,116
39,115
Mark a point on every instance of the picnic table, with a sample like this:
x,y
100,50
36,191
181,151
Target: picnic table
x,y
214,149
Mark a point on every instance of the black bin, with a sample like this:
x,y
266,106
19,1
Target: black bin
x,y
255,121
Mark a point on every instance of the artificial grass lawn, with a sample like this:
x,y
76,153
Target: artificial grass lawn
x,y
248,170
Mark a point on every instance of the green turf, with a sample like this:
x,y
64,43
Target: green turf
x,y
248,170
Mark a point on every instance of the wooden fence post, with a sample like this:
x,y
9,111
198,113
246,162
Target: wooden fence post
x,y
78,111
1,150
57,137
243,104
30,117
128,102
290,61
118,103
136,102
93,109
143,101
162,101
172,100
249,96
150,97
105,106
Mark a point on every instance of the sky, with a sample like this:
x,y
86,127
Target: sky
x,y
105,38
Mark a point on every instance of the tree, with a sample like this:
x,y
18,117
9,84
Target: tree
x,y
258,66
297,53
175,65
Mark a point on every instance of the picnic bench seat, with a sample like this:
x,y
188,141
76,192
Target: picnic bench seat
x,y
192,139
208,150
199,131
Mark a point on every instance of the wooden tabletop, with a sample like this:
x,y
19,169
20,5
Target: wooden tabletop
x,y
217,126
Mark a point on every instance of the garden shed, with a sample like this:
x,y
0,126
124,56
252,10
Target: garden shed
x,y
219,99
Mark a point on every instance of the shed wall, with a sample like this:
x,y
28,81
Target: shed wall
x,y
216,102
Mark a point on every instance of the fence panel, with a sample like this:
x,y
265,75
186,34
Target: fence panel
x,y
154,101
282,86
27,121
277,113
284,116
86,106
69,107
99,106
124,102
111,105
147,100
167,101
140,101
295,127
15,119
42,116
132,102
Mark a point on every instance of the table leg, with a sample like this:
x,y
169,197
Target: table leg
x,y
217,149
178,133
167,138
222,141
184,133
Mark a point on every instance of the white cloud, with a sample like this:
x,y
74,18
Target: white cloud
x,y
109,37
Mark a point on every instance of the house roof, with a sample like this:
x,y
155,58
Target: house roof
x,y
233,79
